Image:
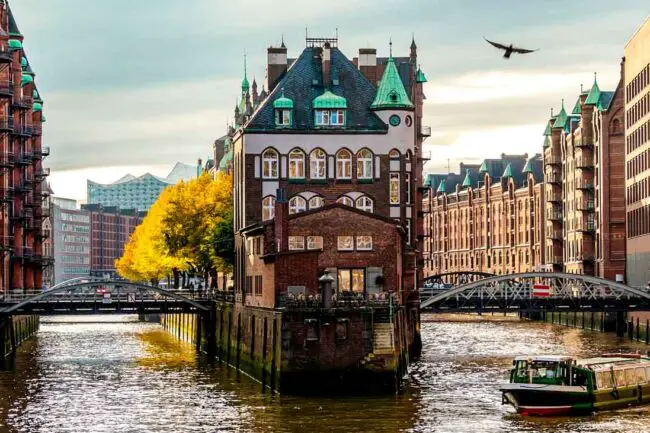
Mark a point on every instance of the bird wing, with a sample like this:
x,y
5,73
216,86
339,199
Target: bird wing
x,y
495,44
522,50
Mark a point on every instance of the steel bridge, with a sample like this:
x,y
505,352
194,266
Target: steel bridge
x,y
538,292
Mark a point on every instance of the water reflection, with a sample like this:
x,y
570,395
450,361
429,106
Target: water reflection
x,y
135,377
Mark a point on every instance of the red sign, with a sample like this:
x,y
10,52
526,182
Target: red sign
x,y
541,290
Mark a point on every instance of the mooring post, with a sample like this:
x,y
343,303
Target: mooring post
x,y
12,336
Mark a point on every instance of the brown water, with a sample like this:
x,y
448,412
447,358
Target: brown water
x,y
134,377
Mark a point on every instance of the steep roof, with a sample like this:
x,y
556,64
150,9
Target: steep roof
x,y
303,82
562,118
605,100
594,94
13,27
535,166
391,92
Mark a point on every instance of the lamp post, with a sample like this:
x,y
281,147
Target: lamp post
x,y
326,281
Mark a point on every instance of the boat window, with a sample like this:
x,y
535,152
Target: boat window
x,y
604,380
647,372
640,375
629,376
620,377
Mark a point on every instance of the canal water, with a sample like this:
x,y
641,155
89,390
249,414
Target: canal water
x,y
128,376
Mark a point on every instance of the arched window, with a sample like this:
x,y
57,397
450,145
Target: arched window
x,y
297,204
316,202
344,165
268,208
296,164
364,164
317,164
364,203
408,156
270,164
394,154
345,200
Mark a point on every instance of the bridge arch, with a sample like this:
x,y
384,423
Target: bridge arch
x,y
516,291
77,284
459,276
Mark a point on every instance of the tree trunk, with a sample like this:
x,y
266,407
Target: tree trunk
x,y
176,278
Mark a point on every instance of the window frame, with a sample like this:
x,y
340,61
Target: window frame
x,y
294,206
344,248
316,163
394,183
270,163
283,117
344,199
297,163
365,164
368,246
298,243
351,280
364,207
314,246
310,206
268,206
342,164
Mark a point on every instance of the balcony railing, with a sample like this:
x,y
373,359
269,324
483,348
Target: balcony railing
x,y
24,158
6,243
43,212
23,101
37,130
42,173
425,131
556,260
554,196
7,160
555,235
343,300
6,88
585,185
43,234
7,195
586,205
585,162
23,130
6,125
586,226
585,142
553,160
586,257
553,178
6,56
23,252
554,215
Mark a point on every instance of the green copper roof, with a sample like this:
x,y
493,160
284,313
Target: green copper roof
x,y
244,84
13,27
577,109
547,141
283,102
442,187
15,44
37,96
594,94
23,62
508,171
329,100
43,119
484,168
547,131
391,92
25,79
562,118
427,183
37,107
527,168
467,183
419,77
223,164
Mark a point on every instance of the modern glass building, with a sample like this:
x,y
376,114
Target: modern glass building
x,y
138,193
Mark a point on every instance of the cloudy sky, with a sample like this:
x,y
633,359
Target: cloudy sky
x,y
135,85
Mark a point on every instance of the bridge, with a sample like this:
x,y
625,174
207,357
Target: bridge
x,y
537,292
85,296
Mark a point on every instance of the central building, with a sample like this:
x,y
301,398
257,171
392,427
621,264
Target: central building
x,y
325,174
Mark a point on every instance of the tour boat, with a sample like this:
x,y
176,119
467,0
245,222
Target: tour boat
x,y
560,385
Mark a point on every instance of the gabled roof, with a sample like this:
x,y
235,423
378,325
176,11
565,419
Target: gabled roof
x,y
442,186
577,109
471,179
594,94
419,77
535,166
391,92
562,118
298,84
605,100
508,171
547,131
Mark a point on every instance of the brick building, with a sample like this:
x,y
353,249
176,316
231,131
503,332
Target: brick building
x,y
21,164
584,171
489,218
110,229
71,240
331,132
637,155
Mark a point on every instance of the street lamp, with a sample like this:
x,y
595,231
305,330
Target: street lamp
x,y
326,281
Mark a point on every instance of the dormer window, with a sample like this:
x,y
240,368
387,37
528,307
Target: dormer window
x,y
283,107
329,109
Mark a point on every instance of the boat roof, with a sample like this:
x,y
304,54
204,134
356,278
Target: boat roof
x,y
547,358
607,362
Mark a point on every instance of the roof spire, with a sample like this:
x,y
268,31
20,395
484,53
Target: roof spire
x,y
244,84
282,44
390,43
413,46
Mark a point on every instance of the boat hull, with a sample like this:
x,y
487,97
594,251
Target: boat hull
x,y
547,400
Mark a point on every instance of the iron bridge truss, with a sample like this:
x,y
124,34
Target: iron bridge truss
x,y
84,296
516,293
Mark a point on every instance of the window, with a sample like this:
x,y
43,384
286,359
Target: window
x,y
345,243
270,164
296,164
317,164
394,154
408,231
344,165
330,117
364,243
364,164
316,202
297,204
314,242
407,179
346,201
282,117
296,242
364,203
351,280
394,188
268,208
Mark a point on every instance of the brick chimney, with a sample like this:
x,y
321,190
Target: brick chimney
x,y
281,221
276,65
368,64
326,59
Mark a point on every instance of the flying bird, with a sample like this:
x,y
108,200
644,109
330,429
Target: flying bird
x,y
509,49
